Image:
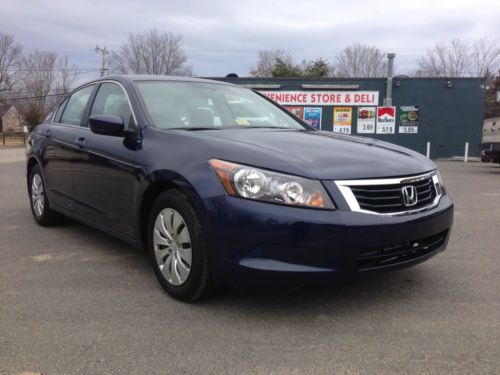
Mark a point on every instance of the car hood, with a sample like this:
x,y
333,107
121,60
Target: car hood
x,y
320,154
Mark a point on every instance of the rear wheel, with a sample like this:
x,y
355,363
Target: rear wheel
x,y
178,247
42,213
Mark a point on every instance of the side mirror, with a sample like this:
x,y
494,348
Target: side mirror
x,y
107,125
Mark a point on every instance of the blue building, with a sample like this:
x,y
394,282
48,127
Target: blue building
x,y
447,112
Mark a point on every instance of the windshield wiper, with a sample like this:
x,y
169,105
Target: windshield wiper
x,y
196,128
265,127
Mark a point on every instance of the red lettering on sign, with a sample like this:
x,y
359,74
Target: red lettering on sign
x,y
323,98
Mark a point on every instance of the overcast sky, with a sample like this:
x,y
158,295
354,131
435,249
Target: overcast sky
x,y
224,36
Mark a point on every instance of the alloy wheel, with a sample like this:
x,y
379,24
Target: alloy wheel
x,y
37,194
172,246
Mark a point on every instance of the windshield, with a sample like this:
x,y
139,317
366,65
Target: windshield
x,y
191,105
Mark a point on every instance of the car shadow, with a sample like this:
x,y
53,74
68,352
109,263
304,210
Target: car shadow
x,y
343,297
493,168
104,242
360,291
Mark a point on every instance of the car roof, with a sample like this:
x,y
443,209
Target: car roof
x,y
149,77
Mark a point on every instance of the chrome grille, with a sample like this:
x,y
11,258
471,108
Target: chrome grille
x,y
392,195
389,198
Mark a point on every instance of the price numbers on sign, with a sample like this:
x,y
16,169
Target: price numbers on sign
x,y
342,129
386,129
408,129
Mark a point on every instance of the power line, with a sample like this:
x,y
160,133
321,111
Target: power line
x,y
13,92
51,70
32,97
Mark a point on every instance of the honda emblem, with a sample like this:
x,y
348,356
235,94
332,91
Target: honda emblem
x,y
410,197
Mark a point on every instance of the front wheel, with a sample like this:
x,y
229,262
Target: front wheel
x,y
178,247
40,209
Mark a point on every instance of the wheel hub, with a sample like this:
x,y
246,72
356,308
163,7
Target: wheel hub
x,y
37,195
172,246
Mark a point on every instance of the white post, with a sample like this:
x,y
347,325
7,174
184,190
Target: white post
x,y
428,153
466,155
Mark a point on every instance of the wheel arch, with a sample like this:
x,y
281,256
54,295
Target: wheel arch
x,y
157,183
30,164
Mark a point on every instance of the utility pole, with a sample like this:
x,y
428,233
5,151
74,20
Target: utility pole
x,y
104,59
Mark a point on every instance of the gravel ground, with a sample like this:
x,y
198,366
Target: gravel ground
x,y
76,301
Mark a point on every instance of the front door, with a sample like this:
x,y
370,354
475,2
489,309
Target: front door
x,y
103,174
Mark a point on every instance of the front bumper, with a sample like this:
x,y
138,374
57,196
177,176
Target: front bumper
x,y
258,244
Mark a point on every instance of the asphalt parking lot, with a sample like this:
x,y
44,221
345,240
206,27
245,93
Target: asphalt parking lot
x,y
76,301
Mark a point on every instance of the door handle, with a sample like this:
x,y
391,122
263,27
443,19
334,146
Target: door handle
x,y
81,142
47,133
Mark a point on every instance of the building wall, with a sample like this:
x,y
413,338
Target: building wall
x,y
11,121
448,116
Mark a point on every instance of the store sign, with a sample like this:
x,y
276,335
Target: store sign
x,y
351,98
408,120
313,116
366,120
386,120
342,120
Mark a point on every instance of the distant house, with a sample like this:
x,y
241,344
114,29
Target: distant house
x,y
10,119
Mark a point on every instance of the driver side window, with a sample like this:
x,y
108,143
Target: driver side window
x,y
111,100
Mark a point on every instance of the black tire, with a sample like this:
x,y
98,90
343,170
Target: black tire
x,y
198,283
46,217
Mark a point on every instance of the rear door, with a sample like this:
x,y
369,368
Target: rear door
x,y
103,176
62,148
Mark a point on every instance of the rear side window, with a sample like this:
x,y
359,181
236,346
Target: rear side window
x,y
73,112
57,117
111,100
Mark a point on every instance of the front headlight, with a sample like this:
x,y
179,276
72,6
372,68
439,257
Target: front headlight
x,y
440,183
259,184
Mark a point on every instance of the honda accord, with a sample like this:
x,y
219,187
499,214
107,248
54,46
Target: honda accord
x,y
224,187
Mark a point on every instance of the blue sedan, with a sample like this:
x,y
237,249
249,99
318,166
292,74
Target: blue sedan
x,y
224,187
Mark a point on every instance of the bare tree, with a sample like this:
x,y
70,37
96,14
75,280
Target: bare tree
x,y
38,70
460,58
446,60
38,81
267,62
485,56
359,60
10,54
152,52
66,76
